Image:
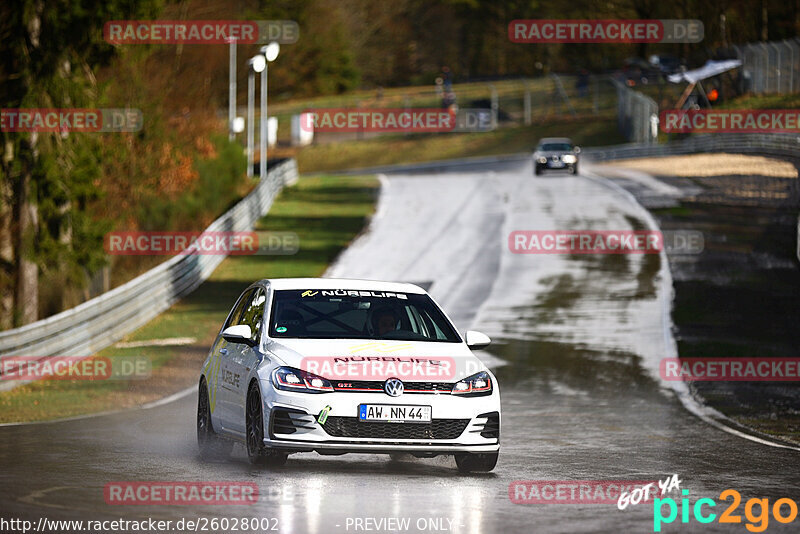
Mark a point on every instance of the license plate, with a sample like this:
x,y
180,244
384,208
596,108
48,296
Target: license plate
x,y
394,413
557,164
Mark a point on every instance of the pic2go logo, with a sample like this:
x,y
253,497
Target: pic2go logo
x,y
757,522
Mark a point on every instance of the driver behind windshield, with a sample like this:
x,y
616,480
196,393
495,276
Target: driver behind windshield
x,y
384,320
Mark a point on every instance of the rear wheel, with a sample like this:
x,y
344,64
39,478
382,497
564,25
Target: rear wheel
x,y
212,447
480,462
257,452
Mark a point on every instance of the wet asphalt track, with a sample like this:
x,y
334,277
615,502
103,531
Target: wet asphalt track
x,y
580,401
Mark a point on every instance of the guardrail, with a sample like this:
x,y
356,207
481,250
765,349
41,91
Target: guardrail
x,y
101,321
781,145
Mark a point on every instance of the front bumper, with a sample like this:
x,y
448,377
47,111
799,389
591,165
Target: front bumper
x,y
555,165
459,424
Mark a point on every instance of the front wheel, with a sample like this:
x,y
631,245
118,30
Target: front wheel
x,y
480,462
212,447
574,169
257,452
537,170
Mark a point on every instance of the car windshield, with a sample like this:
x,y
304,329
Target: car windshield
x,y
555,147
326,314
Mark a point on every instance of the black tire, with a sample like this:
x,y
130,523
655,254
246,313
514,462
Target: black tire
x,y
212,447
537,170
257,452
574,169
480,462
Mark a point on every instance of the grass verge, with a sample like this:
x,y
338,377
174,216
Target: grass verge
x,y
326,212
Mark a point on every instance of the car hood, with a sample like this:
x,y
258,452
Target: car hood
x,y
364,359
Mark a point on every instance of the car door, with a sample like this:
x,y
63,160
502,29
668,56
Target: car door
x,y
243,357
225,352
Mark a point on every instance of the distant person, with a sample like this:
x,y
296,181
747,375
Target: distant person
x,y
449,100
448,95
447,78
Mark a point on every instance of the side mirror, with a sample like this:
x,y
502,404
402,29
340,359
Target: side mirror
x,y
477,340
238,334
577,150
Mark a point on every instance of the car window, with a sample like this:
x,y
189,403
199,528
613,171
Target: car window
x,y
326,314
555,147
235,317
254,313
433,327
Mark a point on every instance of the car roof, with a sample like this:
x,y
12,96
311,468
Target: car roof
x,y
555,140
342,283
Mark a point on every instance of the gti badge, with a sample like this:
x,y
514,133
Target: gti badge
x,y
393,387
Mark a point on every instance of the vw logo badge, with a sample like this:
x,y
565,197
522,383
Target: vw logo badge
x,y
393,387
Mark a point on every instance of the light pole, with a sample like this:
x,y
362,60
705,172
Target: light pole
x,y
231,88
270,53
257,64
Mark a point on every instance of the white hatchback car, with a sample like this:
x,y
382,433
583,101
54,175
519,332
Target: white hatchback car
x,y
338,366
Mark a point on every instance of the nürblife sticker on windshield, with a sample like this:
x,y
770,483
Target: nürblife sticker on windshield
x,y
352,293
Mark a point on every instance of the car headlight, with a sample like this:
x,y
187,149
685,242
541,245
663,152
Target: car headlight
x,y
474,386
291,379
569,158
542,159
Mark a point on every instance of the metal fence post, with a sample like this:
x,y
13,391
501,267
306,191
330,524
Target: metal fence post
x,y
776,86
526,104
763,65
637,114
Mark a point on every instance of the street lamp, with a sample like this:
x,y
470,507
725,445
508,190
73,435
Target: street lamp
x,y
231,87
257,64
270,53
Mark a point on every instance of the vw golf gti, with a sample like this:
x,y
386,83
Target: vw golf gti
x,y
338,366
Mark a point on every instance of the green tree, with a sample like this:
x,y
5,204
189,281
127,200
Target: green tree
x,y
50,53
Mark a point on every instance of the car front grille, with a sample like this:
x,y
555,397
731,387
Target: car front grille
x,y
360,386
351,427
